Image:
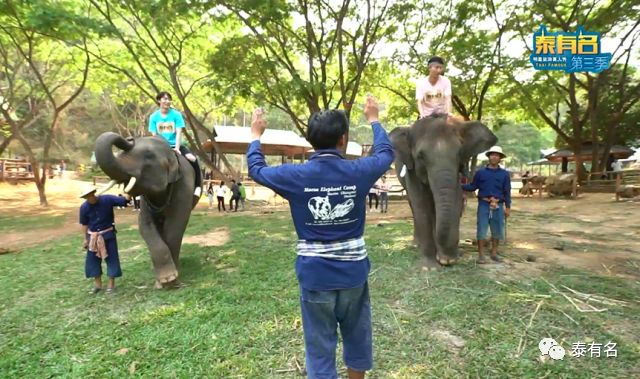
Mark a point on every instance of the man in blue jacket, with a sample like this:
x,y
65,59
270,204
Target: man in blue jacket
x,y
494,202
99,236
327,199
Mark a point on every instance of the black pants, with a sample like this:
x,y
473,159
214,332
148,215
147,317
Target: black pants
x,y
384,202
136,203
236,199
371,197
196,166
221,203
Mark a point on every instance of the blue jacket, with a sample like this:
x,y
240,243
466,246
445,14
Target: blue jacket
x,y
99,216
494,182
327,199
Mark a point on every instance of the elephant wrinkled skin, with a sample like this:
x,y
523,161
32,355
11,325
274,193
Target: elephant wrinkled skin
x,y
165,179
433,152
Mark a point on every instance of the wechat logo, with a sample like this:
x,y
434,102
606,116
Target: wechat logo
x,y
549,346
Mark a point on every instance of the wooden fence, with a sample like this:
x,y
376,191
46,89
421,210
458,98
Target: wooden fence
x,y
14,170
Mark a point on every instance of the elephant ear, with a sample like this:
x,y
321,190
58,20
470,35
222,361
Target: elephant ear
x,y
476,138
402,143
173,167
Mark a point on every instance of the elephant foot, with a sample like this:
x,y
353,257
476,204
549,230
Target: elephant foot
x,y
172,284
430,264
167,279
445,261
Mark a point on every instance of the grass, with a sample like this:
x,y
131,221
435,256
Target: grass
x,y
239,317
14,222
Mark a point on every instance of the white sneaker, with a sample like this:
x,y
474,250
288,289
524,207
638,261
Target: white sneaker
x,y
197,192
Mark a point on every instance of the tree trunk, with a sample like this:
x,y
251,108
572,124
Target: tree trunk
x,y
5,143
41,193
40,184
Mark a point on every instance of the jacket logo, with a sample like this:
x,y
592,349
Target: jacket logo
x,y
320,208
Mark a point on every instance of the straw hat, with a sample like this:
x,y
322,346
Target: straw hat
x,y
495,149
87,191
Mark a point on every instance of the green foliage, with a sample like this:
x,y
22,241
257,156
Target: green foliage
x,y
301,57
522,142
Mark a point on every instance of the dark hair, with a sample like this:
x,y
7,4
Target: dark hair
x,y
435,59
326,128
233,180
222,182
162,94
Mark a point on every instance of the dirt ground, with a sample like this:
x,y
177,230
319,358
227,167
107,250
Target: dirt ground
x,y
592,232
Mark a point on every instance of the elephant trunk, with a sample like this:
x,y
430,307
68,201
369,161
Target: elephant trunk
x,y
447,196
105,158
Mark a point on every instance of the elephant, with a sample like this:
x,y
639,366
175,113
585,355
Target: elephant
x,y
429,157
165,179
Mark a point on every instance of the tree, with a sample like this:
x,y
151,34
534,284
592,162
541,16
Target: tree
x,y
302,56
42,76
522,141
163,52
577,97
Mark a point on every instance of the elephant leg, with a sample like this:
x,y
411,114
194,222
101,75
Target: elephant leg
x,y
414,242
163,264
172,233
423,218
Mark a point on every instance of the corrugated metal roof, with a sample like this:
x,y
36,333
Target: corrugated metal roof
x,y
240,134
235,139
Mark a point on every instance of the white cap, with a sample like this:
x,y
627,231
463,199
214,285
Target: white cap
x,y
495,149
88,190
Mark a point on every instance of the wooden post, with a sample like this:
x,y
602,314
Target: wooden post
x,y
618,184
574,189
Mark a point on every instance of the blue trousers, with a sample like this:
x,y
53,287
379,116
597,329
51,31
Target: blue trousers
x,y
490,219
322,313
93,264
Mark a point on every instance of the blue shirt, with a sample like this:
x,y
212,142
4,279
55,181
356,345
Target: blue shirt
x,y
166,125
494,182
327,200
99,216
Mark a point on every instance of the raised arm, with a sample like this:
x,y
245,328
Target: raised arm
x,y
271,177
380,161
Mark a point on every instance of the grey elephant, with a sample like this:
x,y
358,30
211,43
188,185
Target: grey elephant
x,y
165,179
429,155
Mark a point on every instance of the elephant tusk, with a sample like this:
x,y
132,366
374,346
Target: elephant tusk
x,y
108,187
132,182
403,172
